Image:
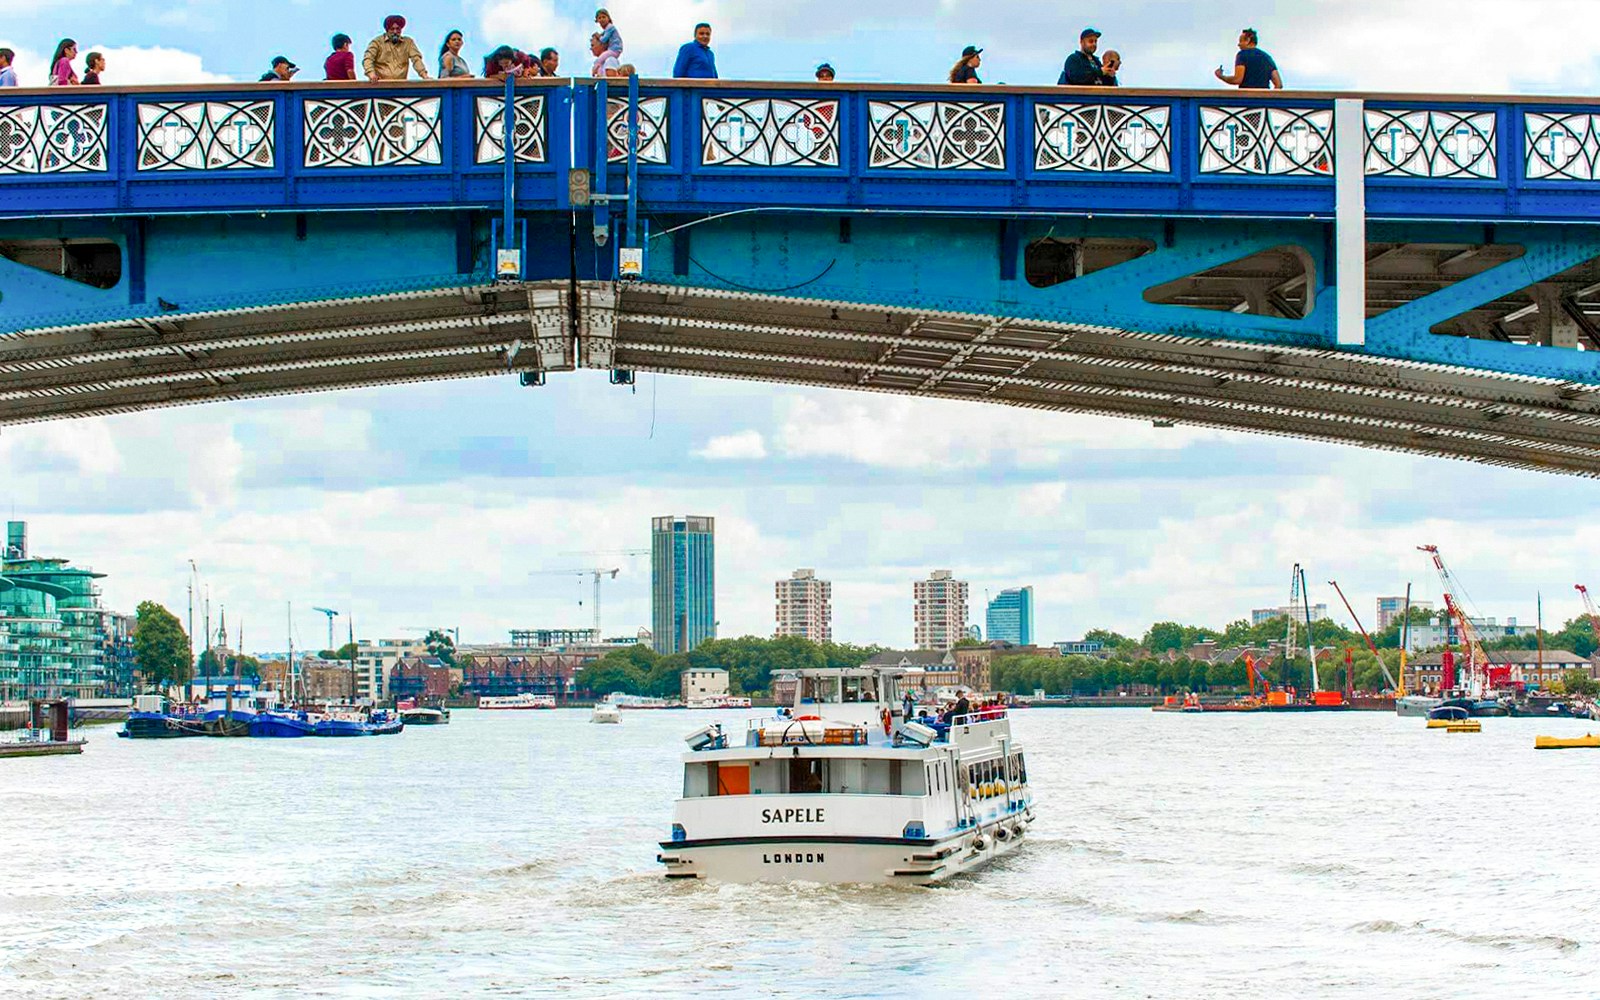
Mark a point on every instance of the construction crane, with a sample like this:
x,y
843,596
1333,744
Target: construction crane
x,y
1588,607
332,614
597,574
1363,630
1477,659
1300,594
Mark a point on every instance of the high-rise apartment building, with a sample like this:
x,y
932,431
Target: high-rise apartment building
x,y
805,606
941,610
683,582
1295,611
1010,617
1390,609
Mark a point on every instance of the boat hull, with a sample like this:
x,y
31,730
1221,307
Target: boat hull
x,y
425,717
1416,706
279,727
843,860
159,726
342,729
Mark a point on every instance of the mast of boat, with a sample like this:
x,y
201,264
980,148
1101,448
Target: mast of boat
x,y
350,620
289,671
1405,643
1539,623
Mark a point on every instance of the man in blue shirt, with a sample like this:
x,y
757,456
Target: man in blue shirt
x,y
696,61
1253,69
8,76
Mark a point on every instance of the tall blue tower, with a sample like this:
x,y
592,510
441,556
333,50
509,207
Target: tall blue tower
x,y
1010,617
683,582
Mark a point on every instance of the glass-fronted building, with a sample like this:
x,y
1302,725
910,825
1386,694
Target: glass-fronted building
x,y
56,637
1010,617
683,582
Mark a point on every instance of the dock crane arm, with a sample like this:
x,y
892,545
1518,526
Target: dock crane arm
x,y
1363,629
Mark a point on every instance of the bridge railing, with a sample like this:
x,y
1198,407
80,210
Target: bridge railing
x,y
730,144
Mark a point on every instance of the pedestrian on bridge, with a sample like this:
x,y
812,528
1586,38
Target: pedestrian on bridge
x,y
392,54
61,72
1083,68
549,63
825,73
609,36
1253,69
605,60
502,62
966,70
696,61
93,65
8,76
452,64
341,64
1113,66
282,71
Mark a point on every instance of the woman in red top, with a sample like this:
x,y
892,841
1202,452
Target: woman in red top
x,y
341,65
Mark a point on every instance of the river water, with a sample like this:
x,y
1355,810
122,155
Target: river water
x,y
513,854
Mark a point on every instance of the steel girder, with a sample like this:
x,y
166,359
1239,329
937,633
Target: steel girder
x,y
1322,394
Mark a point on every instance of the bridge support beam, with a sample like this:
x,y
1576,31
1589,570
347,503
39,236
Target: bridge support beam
x,y
1350,220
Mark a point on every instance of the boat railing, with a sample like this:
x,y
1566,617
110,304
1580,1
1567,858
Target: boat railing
x,y
987,715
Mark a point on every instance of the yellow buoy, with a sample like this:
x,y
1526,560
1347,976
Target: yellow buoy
x,y
1590,742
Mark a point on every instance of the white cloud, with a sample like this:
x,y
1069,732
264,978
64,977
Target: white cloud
x,y
904,433
744,446
130,66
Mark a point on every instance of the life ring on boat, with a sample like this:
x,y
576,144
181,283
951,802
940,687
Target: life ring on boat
x,y
884,717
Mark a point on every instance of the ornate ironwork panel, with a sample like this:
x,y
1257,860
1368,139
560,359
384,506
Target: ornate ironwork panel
x,y
527,132
1443,145
1561,147
207,135
937,135
762,132
1108,138
54,139
1268,142
652,129
373,132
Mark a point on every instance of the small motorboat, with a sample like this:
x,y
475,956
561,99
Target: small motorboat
x,y
606,712
1589,742
418,716
1446,716
385,723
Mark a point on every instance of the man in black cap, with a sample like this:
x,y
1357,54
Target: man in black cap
x,y
282,71
1083,68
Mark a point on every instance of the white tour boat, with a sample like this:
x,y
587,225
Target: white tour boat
x,y
518,702
844,788
606,712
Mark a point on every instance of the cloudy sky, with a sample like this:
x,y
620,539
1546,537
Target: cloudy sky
x,y
438,505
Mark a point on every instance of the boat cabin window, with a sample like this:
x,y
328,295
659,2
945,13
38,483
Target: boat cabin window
x,y
860,689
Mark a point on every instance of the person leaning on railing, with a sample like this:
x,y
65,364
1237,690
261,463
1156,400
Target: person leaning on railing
x,y
452,64
393,54
341,63
8,76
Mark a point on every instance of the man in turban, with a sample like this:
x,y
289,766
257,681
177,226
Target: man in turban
x,y
393,53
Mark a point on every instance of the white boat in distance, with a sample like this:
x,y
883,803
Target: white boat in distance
x,y
844,788
606,712
518,702
726,701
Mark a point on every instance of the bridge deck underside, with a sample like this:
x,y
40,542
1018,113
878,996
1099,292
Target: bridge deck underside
x,y
463,332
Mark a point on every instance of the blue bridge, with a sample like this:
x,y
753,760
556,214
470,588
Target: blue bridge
x,y
1412,273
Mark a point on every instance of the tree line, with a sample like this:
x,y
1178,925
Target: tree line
x,y
749,661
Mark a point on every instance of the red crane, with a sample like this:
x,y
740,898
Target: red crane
x,y
1588,607
1370,644
1480,676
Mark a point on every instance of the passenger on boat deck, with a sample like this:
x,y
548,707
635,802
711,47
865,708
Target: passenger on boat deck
x,y
960,708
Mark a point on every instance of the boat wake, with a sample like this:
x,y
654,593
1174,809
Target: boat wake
x,y
1502,942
